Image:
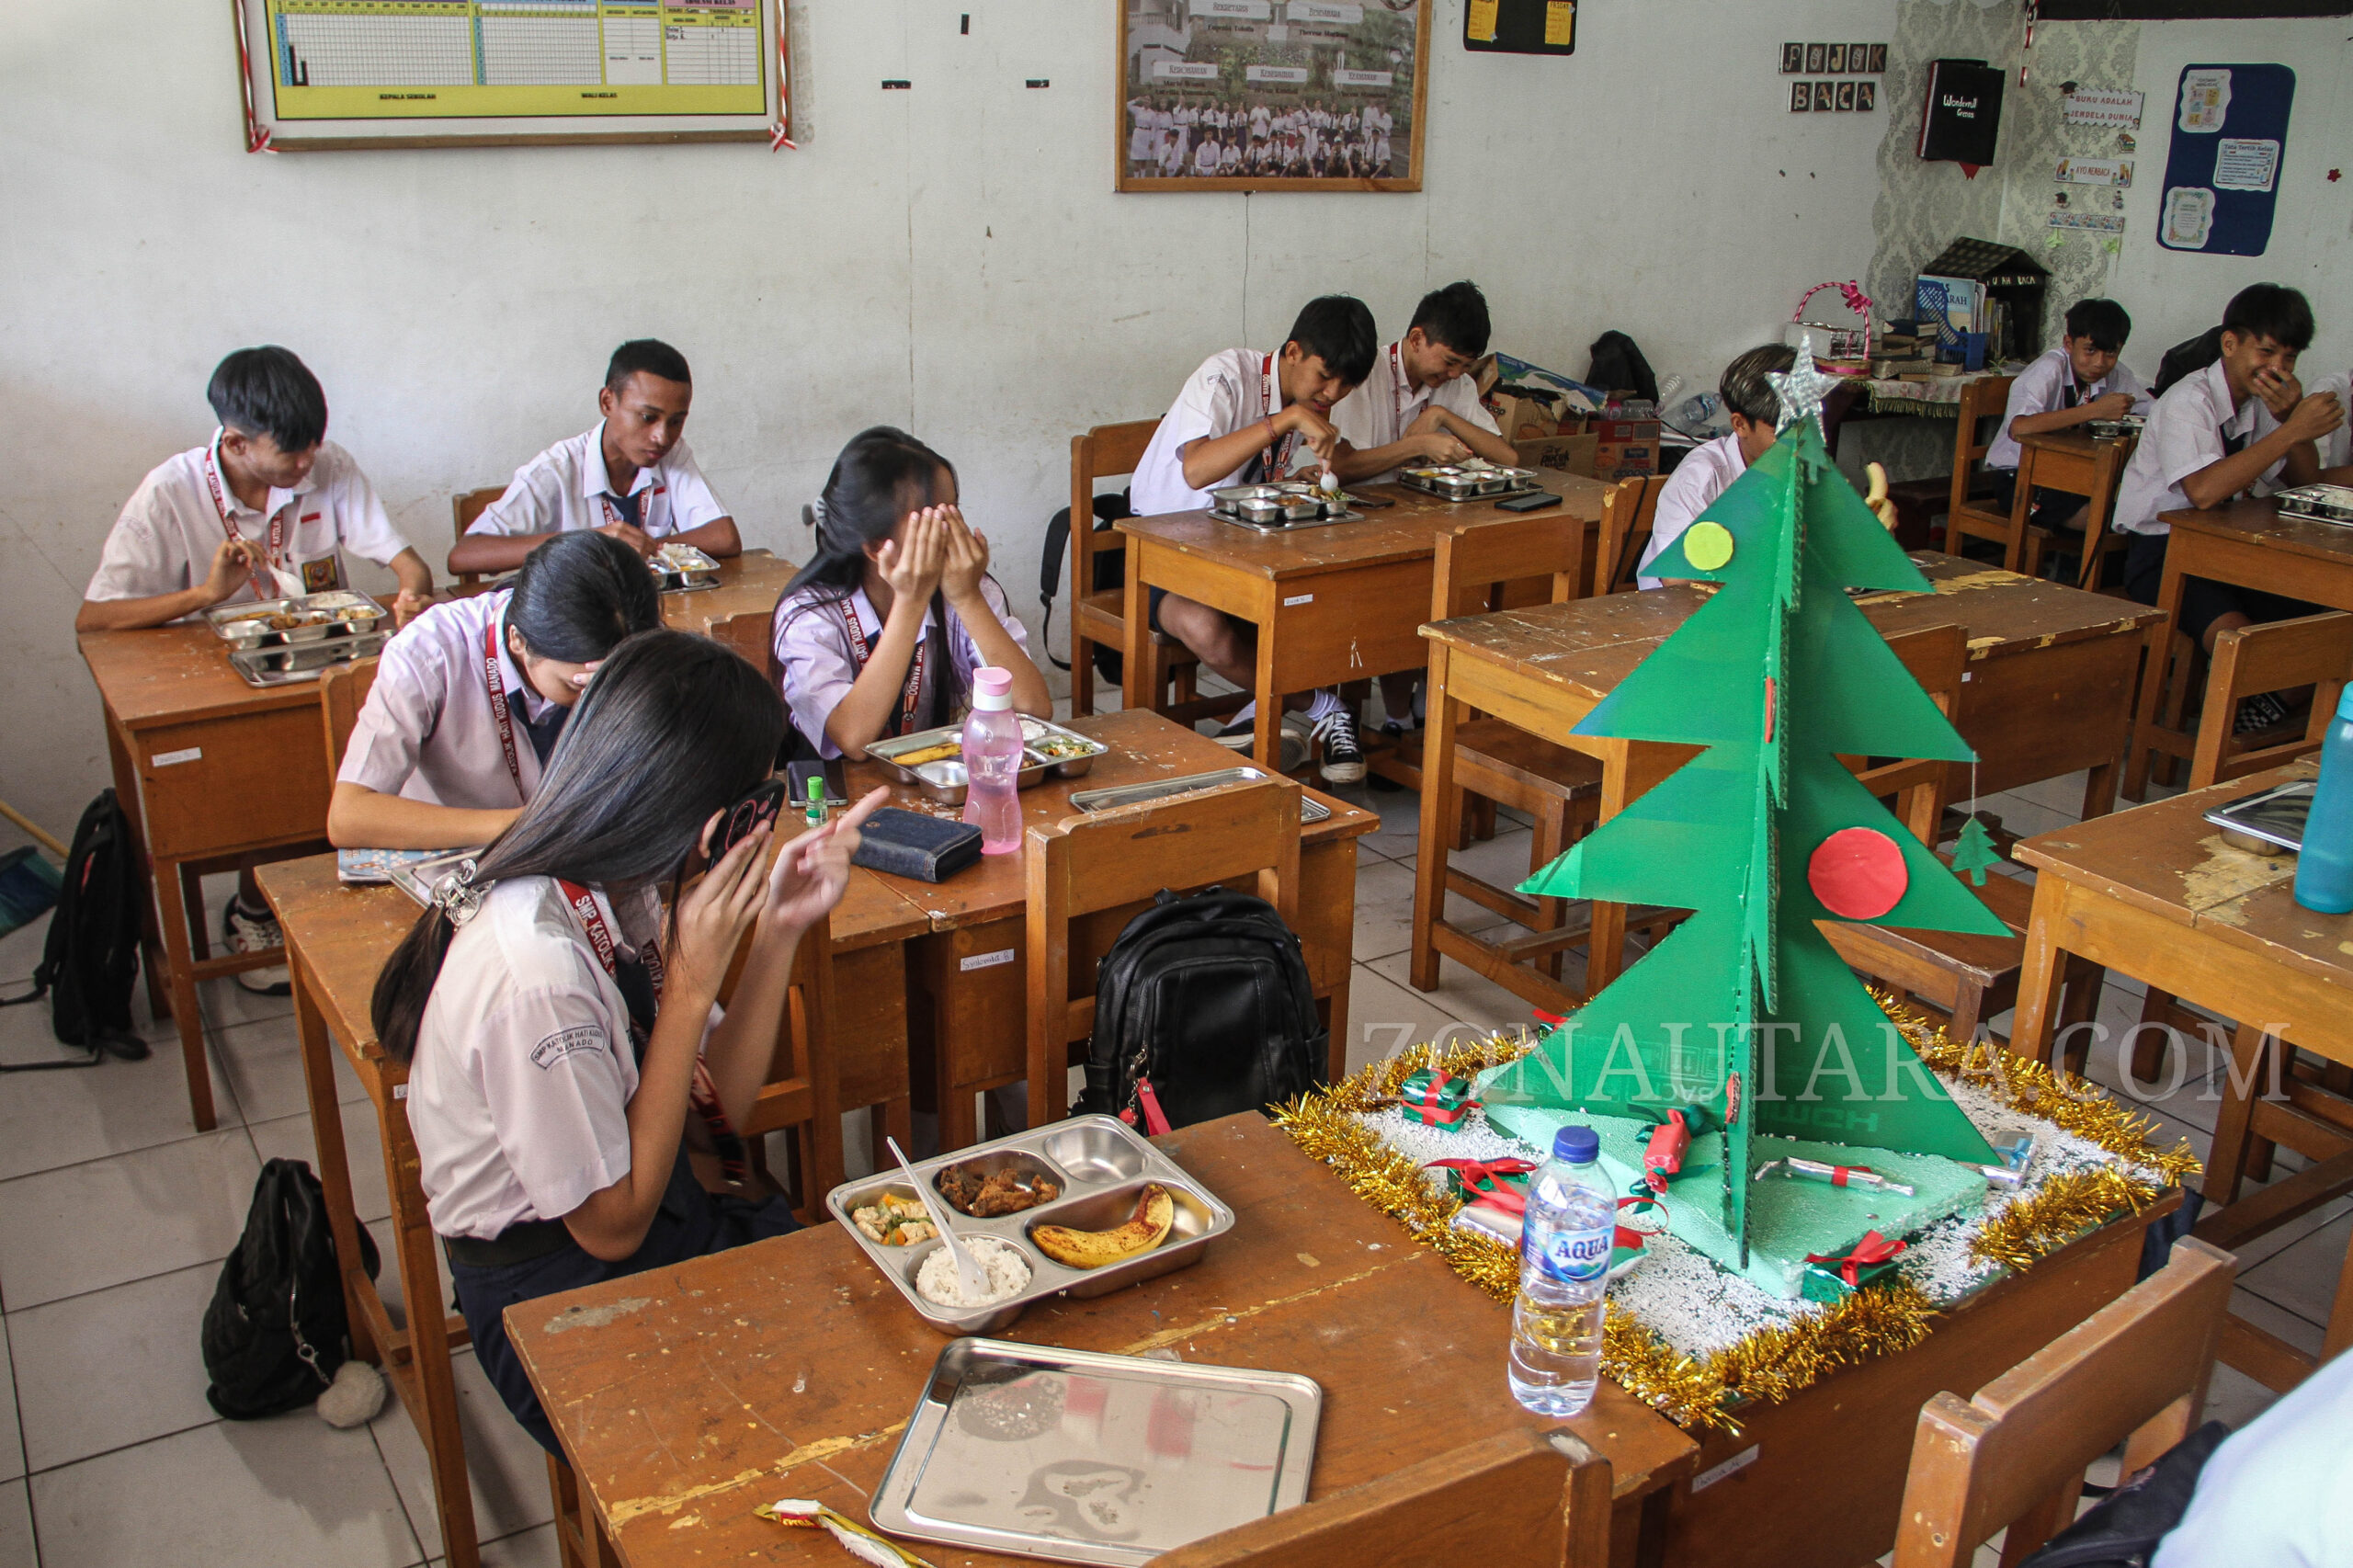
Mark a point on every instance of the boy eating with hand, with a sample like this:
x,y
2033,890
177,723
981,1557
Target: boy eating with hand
x,y
2080,380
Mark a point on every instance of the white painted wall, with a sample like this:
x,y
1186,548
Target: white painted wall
x,y
951,259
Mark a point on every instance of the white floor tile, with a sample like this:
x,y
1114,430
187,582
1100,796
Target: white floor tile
x,y
228,1004
2064,794
12,1438
388,1277
16,1549
1473,999
2233,1398
2025,817
1384,912
531,1549
292,1138
265,1063
2272,1318
1386,1017
2263,1248
20,952
508,1469
2302,1277
48,1119
88,1226
112,1368
289,1492
1401,818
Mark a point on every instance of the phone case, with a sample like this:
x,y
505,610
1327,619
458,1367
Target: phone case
x,y
909,844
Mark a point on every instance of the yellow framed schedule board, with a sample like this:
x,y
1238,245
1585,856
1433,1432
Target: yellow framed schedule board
x,y
325,75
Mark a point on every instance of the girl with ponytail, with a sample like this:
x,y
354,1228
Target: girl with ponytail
x,y
555,1033
878,635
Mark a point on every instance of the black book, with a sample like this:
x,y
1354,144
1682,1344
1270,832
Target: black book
x,y
909,844
1963,114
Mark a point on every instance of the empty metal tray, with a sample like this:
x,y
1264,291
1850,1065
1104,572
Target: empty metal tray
x,y
1310,808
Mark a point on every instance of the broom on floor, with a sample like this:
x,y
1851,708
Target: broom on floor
x,y
29,884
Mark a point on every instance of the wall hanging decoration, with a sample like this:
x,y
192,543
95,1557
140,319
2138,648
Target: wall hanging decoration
x,y
1272,95
2230,133
325,76
1520,26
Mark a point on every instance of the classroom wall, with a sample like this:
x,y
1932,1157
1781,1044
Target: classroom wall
x,y
951,259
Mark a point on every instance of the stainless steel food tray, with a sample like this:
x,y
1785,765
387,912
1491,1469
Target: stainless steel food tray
x,y
2113,429
1278,509
2317,502
681,568
1101,1163
293,664
1449,483
241,626
1310,808
1078,1456
944,780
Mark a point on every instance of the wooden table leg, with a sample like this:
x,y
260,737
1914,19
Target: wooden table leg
x,y
1445,715
2042,975
1605,946
1136,693
151,937
172,915
2234,1125
334,1159
2152,678
1266,733
429,1341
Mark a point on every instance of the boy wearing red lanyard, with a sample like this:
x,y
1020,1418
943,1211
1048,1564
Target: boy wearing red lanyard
x,y
207,526
1244,417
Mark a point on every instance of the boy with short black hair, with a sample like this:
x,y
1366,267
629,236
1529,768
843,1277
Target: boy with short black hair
x,y
2073,384
1418,404
1708,471
630,478
1244,417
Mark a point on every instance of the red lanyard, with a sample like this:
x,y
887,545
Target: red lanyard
x,y
644,508
498,708
909,698
600,936
1400,389
276,546
1277,455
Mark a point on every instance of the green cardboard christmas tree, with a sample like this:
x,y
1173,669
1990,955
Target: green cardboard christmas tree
x,y
1745,1011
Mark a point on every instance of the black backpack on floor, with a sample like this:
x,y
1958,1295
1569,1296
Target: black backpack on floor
x,y
1109,563
275,1330
91,959
1208,998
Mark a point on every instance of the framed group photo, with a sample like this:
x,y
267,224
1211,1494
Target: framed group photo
x,y
1283,94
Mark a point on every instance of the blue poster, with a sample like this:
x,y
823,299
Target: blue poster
x,y
2230,130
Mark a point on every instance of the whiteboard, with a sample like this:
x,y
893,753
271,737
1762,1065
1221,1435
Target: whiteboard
x,y
331,74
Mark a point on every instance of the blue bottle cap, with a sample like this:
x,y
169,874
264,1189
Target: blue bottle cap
x,y
1578,1145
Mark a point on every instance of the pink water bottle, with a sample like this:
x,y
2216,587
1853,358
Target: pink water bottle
x,y
992,755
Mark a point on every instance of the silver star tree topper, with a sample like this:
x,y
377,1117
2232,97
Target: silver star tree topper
x,y
1800,389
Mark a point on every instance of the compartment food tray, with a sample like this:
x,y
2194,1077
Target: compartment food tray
x,y
1101,1163
1081,1456
1451,482
944,780
1276,508
1310,808
331,617
2317,502
293,664
681,568
2113,429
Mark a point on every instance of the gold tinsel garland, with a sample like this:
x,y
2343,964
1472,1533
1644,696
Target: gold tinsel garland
x,y
1773,1363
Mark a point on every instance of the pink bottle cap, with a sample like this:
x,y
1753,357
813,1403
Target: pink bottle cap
x,y
991,690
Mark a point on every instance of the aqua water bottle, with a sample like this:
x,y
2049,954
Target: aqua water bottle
x,y
1564,1244
993,762
2324,867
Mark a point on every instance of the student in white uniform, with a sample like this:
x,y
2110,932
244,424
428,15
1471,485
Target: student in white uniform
x,y
1708,470
206,526
469,700
880,633
631,477
2208,440
556,1034
2073,385
1245,417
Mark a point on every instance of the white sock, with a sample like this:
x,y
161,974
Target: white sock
x,y
1244,714
1325,702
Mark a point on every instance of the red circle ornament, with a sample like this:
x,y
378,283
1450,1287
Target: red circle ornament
x,y
1858,873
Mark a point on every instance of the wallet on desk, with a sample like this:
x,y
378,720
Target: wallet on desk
x,y
909,844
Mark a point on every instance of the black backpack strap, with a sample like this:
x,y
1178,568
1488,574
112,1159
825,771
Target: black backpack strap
x,y
1050,576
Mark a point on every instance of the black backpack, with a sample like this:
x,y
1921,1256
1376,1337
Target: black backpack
x,y
275,1330
2187,358
1208,998
2122,1530
1110,563
91,959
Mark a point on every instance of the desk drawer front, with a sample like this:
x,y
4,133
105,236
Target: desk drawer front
x,y
1349,625
2044,712
221,784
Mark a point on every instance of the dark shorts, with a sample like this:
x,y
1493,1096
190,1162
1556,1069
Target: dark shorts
x,y
2203,601
2052,508
1152,613
690,1224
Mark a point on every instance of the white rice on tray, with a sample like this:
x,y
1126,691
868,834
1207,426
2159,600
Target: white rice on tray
x,y
1006,1271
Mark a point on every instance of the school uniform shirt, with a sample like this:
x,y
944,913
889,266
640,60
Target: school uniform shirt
x,y
1232,388
165,540
1705,473
1380,409
518,1094
2049,383
2194,425
428,732
818,661
567,488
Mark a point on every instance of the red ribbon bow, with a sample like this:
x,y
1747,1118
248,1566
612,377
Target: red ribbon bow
x,y
1485,1178
1872,1251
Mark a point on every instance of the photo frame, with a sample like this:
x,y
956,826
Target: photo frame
x,y
1847,97
1836,63
1825,96
1817,58
1877,60
1866,96
1331,97
1793,58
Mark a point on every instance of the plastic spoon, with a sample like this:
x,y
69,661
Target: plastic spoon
x,y
968,1272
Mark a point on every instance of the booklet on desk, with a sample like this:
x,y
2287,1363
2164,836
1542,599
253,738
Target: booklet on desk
x,y
909,844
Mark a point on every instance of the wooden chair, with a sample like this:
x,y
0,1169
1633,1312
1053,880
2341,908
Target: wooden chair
x,y
1541,1499
1627,512
343,691
1089,863
580,1539
463,509
802,1092
2014,1456
747,634
1099,615
1982,400
2280,655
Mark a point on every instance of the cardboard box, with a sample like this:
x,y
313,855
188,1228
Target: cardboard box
x,y
1625,448
1564,454
1522,418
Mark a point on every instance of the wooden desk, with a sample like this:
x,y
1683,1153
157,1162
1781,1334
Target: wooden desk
x,y
1334,602
208,770
748,583
336,939
2078,464
2047,690
2155,893
2249,545
968,977
786,1368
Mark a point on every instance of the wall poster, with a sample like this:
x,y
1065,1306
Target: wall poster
x,y
2230,129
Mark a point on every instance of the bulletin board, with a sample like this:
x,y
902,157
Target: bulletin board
x,y
337,74
2230,141
1520,26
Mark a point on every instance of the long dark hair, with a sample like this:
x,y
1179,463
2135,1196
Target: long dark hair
x,y
673,728
579,593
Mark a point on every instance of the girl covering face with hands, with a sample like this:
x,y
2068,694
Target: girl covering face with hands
x,y
880,635
558,1031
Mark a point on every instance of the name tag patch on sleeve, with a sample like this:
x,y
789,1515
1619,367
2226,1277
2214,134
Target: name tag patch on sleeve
x,y
557,1046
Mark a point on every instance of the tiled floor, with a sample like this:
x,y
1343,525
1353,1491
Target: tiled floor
x,y
114,1217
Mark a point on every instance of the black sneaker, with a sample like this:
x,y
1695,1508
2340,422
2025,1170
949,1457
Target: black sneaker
x,y
2261,711
1343,757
